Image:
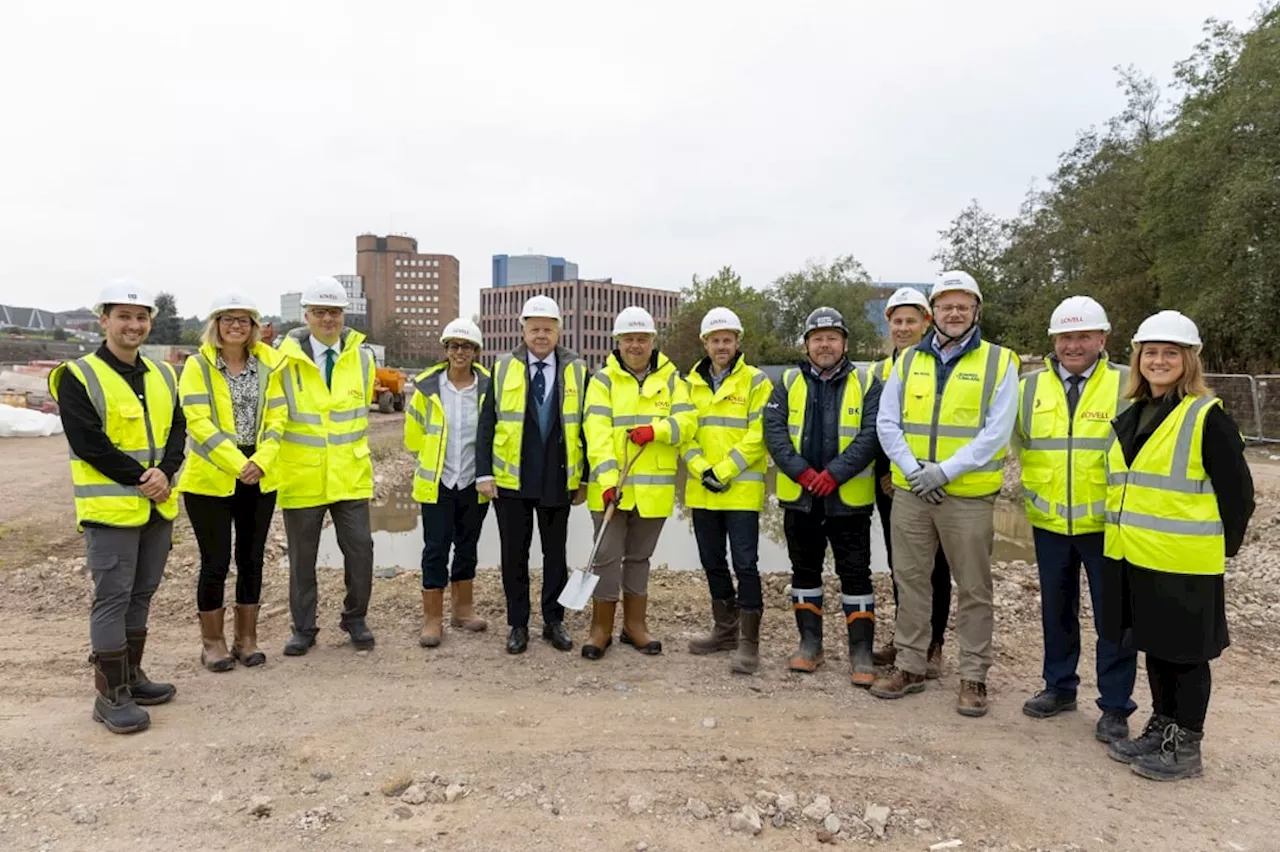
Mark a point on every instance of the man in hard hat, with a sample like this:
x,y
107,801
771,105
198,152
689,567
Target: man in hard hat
x,y
726,460
909,315
637,412
819,426
328,379
531,458
440,428
1064,421
125,427
945,418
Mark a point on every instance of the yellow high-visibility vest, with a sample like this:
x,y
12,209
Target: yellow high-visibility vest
x,y
138,432
729,440
1162,513
1064,469
426,429
858,491
510,381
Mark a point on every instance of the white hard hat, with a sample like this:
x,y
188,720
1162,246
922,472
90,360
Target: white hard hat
x,y
125,291
462,329
325,292
634,320
720,319
1168,327
955,282
907,296
1078,313
233,302
540,306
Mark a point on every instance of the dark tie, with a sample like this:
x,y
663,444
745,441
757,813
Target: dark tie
x,y
539,382
1073,393
328,367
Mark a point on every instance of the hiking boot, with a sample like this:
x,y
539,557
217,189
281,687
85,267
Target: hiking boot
x,y
635,632
245,648
724,632
861,627
746,659
463,610
1046,703
885,654
1148,742
214,655
144,691
114,706
1112,727
299,643
361,636
1177,759
808,655
896,683
600,636
933,663
432,618
972,700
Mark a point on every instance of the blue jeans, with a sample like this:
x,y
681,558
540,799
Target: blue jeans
x,y
1060,558
742,529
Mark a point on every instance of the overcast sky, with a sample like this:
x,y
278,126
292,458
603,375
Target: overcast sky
x,y
207,147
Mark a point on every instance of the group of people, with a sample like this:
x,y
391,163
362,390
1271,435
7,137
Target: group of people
x,y
1136,473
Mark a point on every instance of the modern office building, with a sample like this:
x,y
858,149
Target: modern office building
x,y
291,306
400,284
516,269
358,311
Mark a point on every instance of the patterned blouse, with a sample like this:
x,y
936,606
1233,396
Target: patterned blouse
x,y
244,400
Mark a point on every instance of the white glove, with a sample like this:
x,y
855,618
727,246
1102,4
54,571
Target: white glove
x,y
928,478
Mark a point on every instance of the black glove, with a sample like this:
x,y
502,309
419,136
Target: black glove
x,y
712,484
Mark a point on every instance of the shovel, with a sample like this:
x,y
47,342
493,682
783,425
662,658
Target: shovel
x,y
582,581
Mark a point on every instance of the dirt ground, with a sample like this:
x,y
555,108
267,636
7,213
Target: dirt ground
x,y
549,751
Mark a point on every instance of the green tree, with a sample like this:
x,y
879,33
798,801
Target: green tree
x,y
166,327
842,284
681,340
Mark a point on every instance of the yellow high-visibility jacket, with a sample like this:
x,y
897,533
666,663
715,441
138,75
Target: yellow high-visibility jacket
x,y
426,429
510,387
729,440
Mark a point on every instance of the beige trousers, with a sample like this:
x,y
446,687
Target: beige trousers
x,y
623,558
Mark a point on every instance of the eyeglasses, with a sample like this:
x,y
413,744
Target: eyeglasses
x,y
453,346
236,321
321,313
962,310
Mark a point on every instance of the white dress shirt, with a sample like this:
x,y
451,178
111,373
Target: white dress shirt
x,y
462,416
1065,374
548,372
318,349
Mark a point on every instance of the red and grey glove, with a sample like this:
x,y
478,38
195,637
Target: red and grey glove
x,y
807,479
641,435
612,495
824,484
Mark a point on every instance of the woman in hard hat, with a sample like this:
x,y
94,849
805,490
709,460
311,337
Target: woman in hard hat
x,y
1179,498
235,419
440,429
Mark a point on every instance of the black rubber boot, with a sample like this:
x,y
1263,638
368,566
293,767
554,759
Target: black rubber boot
x,y
862,665
808,656
145,692
114,706
1178,757
1148,742
724,632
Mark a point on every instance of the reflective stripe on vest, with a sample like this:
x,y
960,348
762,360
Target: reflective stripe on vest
x,y
856,492
435,428
510,394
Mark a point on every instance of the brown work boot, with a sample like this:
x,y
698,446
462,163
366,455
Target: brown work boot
x,y
245,648
635,630
601,635
933,665
972,700
746,659
885,654
463,611
724,633
214,655
432,617
896,683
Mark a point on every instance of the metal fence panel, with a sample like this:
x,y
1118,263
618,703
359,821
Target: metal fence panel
x,y
1268,396
1239,396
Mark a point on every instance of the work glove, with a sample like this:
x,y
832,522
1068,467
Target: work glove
x,y
641,435
935,496
824,484
712,484
929,477
807,479
612,495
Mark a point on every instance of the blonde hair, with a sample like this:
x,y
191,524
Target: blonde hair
x,y
1190,383
212,337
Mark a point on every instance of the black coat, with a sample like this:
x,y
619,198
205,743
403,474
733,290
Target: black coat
x,y
1181,618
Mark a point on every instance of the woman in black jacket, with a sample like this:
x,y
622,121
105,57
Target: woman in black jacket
x,y
1179,498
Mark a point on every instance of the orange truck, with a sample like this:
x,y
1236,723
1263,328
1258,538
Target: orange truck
x,y
389,383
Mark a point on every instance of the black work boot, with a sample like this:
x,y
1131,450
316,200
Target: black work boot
x,y
1112,727
299,643
1148,742
114,706
144,691
1178,757
862,634
808,656
361,635
1048,703
724,633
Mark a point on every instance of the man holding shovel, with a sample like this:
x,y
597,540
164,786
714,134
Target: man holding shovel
x,y
637,412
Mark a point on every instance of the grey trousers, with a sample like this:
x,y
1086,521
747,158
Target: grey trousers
x,y
127,564
623,558
355,539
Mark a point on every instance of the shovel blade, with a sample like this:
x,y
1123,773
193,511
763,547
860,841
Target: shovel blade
x,y
577,591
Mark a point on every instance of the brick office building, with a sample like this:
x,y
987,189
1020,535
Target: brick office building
x,y
400,283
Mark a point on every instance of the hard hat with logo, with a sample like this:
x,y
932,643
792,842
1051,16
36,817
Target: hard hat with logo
x,y
1168,327
462,329
234,302
955,282
540,306
720,319
820,319
1078,313
325,292
125,291
907,296
634,320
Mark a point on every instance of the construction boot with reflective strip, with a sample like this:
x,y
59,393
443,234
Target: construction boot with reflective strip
x,y
214,655
635,630
463,611
601,635
860,621
807,605
245,648
432,617
724,633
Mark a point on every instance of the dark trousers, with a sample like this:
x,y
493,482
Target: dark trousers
x,y
941,577
1060,558
808,534
355,540
711,528
1180,691
127,564
454,519
515,530
247,512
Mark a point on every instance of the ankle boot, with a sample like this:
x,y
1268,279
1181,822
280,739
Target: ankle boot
x,y
432,617
635,631
245,648
114,706
746,659
1148,742
724,633
144,691
463,612
886,654
601,635
214,655
933,661
1178,757
861,627
808,656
